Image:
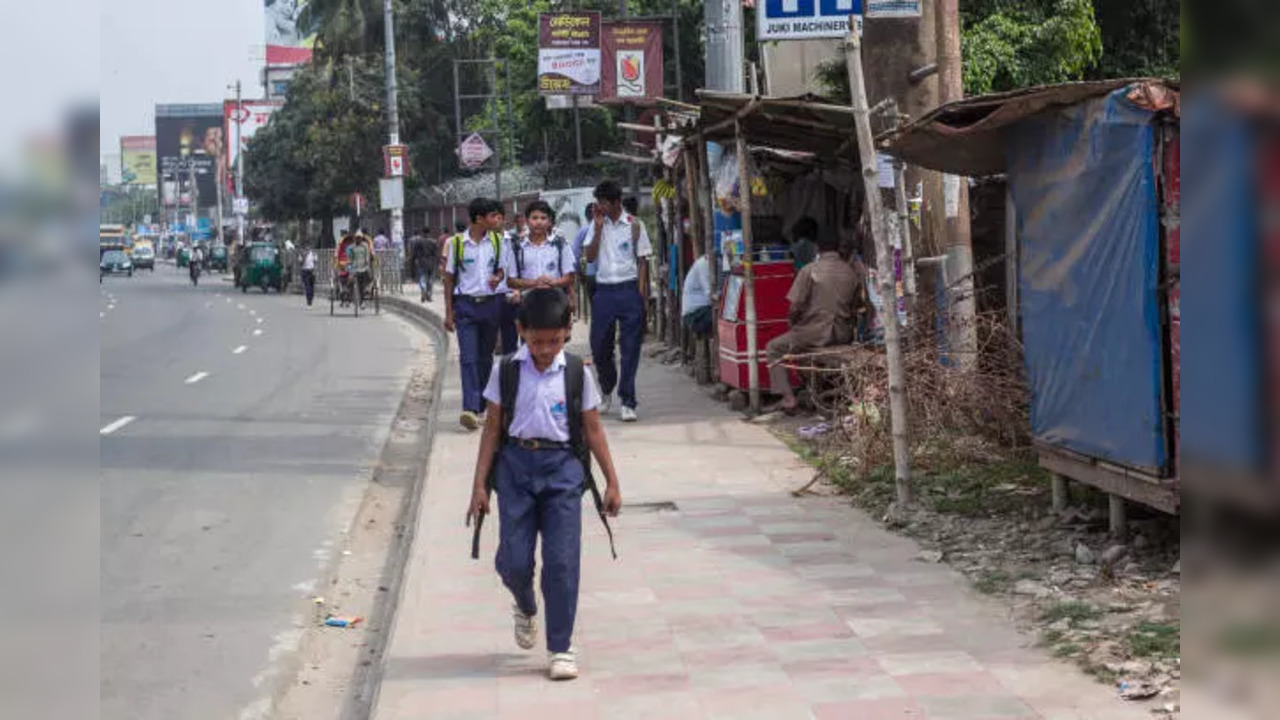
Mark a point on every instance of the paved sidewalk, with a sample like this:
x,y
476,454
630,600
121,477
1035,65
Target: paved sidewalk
x,y
744,602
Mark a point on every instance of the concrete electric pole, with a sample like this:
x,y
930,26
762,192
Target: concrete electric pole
x,y
240,207
959,246
393,112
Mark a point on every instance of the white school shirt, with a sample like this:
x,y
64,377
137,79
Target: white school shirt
x,y
309,260
539,260
697,287
541,412
477,265
616,262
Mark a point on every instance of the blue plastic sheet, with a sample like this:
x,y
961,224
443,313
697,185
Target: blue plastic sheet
x,y
1083,183
1222,389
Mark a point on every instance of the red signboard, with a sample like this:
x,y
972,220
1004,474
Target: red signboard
x,y
395,160
631,62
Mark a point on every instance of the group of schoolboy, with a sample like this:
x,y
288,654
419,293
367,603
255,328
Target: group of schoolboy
x,y
542,420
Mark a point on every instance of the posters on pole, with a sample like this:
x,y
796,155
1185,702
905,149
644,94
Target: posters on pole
x,y
138,159
289,42
569,53
190,140
805,19
240,127
631,59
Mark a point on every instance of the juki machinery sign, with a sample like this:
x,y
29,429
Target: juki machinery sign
x,y
805,19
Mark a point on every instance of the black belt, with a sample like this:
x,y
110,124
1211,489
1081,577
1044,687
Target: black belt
x,y
623,283
538,444
476,299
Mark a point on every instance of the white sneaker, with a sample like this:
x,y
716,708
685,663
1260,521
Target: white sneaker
x,y
628,414
563,666
606,404
526,628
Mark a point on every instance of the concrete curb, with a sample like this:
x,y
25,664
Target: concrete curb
x,y
363,701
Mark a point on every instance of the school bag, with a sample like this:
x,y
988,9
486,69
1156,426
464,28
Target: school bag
x,y
558,244
459,252
575,376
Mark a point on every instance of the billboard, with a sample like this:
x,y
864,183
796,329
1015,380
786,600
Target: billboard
x,y
631,60
138,159
808,19
253,116
189,139
569,53
288,41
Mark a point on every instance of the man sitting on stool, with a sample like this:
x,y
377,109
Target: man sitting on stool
x,y
824,310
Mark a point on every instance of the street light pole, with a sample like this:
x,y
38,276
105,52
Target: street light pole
x,y
240,208
393,112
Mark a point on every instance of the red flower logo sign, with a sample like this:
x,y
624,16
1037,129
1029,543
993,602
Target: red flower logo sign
x,y
630,69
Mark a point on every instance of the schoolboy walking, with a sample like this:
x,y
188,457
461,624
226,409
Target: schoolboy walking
x,y
473,294
619,245
540,433
541,258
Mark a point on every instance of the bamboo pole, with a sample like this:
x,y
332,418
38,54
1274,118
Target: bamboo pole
x,y
904,216
748,273
884,261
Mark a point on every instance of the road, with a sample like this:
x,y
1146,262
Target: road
x,y
237,436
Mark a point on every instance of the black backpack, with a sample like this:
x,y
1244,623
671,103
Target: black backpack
x,y
558,244
575,376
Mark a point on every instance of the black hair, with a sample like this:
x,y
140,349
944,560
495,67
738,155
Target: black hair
x,y
631,205
827,241
541,206
591,210
608,190
481,207
805,227
545,309
459,226
382,231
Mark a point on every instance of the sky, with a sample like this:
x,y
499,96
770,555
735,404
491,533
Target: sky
x,y
173,51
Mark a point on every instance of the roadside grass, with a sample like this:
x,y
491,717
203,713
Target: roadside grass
x,y
1154,640
1074,612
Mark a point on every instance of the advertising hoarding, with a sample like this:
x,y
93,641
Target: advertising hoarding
x,y
253,117
569,53
189,138
138,159
631,59
806,19
288,41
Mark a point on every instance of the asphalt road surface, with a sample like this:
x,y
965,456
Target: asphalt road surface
x,y
237,436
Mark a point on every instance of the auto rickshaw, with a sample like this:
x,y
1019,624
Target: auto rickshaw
x,y
184,256
263,268
218,258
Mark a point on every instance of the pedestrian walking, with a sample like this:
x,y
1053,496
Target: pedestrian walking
x,y
542,258
542,428
619,245
308,273
586,267
424,261
472,300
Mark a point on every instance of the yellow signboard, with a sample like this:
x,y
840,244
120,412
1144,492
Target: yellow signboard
x,y
138,160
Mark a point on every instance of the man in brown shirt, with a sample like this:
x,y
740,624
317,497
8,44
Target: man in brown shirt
x,y
825,299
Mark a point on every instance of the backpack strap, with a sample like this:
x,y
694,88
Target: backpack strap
x,y
575,377
459,252
518,252
496,239
558,244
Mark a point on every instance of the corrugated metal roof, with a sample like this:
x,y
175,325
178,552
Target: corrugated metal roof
x,y
799,123
967,137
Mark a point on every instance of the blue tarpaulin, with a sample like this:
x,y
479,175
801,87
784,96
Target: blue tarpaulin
x,y
1083,183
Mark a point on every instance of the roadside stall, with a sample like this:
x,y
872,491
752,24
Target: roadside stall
x,y
1093,182
791,158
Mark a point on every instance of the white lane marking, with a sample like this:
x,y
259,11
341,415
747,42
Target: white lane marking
x,y
260,319
240,349
255,312
117,425
257,331
196,378
240,306
102,314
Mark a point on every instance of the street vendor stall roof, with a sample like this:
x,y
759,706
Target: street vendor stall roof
x,y
799,123
967,137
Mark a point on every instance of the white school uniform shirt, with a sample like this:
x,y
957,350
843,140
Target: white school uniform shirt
x,y
616,262
477,265
309,260
541,412
697,287
539,260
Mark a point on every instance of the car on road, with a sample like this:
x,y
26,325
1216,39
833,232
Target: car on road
x,y
115,262
144,256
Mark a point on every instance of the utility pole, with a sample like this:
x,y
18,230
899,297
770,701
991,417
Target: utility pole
x,y
240,203
393,112
964,342
629,114
884,267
